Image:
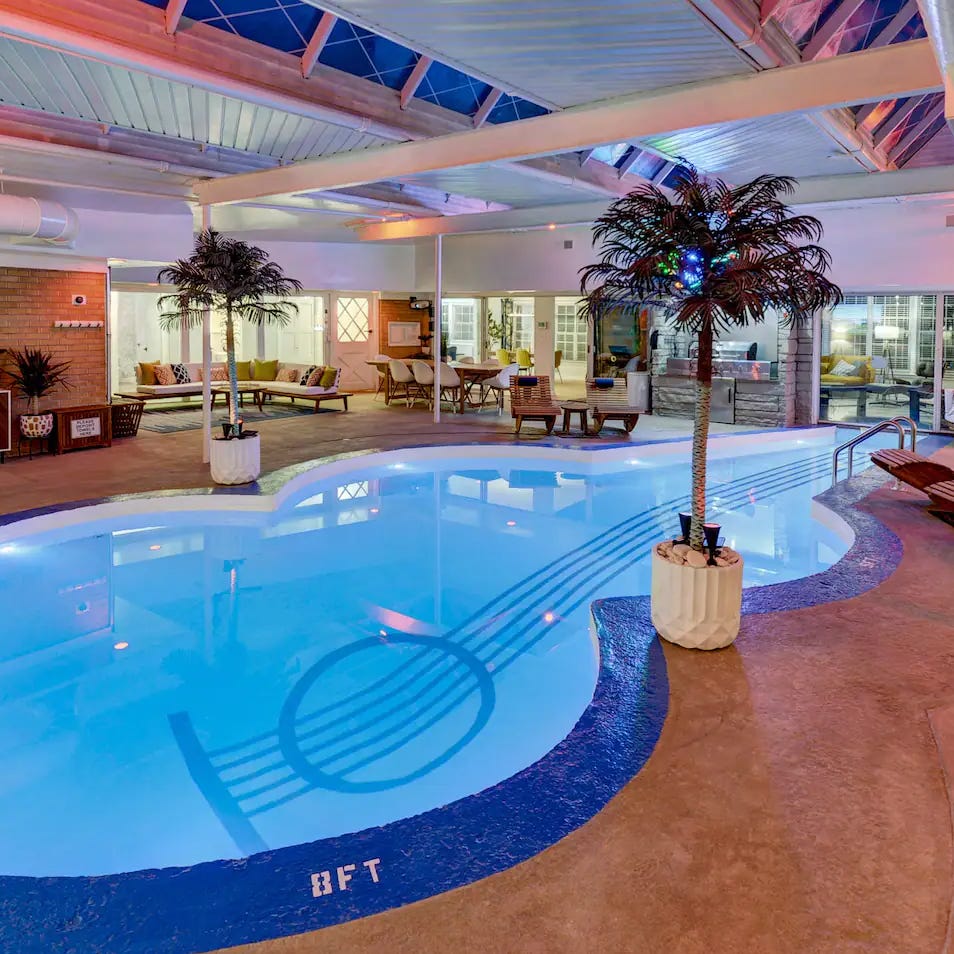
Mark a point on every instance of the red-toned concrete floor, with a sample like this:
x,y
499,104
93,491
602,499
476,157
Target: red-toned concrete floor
x,y
797,800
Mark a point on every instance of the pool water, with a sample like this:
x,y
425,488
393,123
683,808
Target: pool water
x,y
196,683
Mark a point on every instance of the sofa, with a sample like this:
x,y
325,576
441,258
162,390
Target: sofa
x,y
864,372
250,373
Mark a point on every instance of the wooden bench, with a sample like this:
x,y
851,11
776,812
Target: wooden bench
x,y
610,403
317,398
531,400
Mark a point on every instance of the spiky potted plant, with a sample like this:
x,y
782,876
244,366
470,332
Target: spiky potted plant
x,y
239,281
712,257
35,374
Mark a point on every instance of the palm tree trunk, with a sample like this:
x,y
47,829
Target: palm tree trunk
x,y
700,435
233,371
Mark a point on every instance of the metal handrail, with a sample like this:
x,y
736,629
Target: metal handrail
x,y
896,422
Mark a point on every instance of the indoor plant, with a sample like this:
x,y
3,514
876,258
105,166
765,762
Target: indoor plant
x,y
34,374
713,257
239,281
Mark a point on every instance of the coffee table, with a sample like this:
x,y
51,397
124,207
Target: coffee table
x,y
570,408
256,390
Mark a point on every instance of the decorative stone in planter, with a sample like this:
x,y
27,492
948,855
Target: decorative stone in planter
x,y
695,605
236,461
36,425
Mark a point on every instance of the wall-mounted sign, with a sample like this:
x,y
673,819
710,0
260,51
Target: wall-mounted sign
x,y
85,427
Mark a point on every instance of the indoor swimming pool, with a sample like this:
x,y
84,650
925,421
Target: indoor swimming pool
x,y
185,679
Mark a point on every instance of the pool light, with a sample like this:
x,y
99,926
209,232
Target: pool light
x,y
511,523
122,645
374,510
155,546
548,616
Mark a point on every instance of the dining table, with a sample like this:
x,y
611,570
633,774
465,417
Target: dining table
x,y
470,373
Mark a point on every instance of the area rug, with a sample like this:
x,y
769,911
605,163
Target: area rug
x,y
170,420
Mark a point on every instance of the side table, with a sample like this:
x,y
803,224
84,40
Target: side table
x,y
570,408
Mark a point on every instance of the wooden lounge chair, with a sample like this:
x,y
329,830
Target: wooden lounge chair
x,y
608,400
912,468
942,500
531,400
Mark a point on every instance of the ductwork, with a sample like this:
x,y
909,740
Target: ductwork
x,y
938,17
37,219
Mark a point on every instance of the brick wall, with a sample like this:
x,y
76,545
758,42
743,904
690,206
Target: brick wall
x,y
31,300
392,309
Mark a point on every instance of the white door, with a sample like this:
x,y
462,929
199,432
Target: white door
x,y
354,342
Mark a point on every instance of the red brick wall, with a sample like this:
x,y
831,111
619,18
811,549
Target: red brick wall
x,y
31,300
399,310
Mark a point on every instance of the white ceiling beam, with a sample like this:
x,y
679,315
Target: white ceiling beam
x,y
630,160
173,14
895,25
911,136
902,69
812,191
831,28
487,107
414,80
309,59
895,120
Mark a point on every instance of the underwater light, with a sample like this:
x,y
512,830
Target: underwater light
x,y
120,645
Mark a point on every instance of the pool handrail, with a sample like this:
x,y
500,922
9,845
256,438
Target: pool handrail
x,y
896,422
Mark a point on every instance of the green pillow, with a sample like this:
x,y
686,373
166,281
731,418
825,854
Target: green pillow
x,y
264,370
328,377
243,370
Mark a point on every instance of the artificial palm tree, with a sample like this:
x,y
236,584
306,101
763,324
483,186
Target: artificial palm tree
x,y
35,373
713,257
232,277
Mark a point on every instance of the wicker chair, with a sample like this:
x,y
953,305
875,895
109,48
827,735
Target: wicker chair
x,y
531,400
608,400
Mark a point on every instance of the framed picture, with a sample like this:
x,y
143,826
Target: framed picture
x,y
404,334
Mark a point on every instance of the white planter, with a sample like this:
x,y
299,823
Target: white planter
x,y
36,425
236,461
699,608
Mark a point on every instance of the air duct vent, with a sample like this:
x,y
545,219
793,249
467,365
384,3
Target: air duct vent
x,y
29,218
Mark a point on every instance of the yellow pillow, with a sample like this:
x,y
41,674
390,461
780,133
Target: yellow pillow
x,y
243,370
147,371
264,370
328,377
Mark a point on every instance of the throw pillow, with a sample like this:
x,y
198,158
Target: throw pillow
x,y
287,376
314,379
165,374
843,369
264,370
219,373
243,370
196,374
303,380
328,377
147,372
181,373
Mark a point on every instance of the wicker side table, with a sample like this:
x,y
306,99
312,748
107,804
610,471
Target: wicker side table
x,y
126,417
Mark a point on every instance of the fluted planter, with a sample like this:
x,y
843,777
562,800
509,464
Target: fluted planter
x,y
236,461
696,607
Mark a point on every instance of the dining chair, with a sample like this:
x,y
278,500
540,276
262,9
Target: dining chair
x,y
500,383
401,378
503,357
382,375
557,358
465,359
524,360
449,384
424,378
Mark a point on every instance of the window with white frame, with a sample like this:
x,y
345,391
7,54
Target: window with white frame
x,y
571,330
460,319
522,314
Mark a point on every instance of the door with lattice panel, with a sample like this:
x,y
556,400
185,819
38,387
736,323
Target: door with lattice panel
x,y
354,340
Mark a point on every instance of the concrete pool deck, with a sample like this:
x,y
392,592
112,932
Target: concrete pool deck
x,y
796,800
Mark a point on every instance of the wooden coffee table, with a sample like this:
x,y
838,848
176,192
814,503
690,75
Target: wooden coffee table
x,y
570,408
256,390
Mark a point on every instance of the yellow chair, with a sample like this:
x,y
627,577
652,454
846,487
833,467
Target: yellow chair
x,y
503,357
865,373
524,361
557,358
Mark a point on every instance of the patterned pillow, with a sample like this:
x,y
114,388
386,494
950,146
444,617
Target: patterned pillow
x,y
219,374
181,373
287,376
304,378
165,374
314,379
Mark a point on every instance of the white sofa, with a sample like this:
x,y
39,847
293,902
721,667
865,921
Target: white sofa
x,y
271,388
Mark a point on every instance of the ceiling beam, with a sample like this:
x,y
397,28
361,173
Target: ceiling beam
x,y
831,28
414,80
895,25
309,59
487,106
902,69
911,136
174,11
813,191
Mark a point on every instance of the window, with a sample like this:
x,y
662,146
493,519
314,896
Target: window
x,y
460,320
523,323
571,330
354,319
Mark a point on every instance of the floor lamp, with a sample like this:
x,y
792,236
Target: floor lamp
x,y
887,333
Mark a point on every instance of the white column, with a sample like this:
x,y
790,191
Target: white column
x,y
938,381
544,332
436,340
206,363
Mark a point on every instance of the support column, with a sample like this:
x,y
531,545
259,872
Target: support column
x,y
436,340
206,363
544,331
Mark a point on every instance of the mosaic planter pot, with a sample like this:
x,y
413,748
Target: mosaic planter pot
x,y
36,425
236,461
699,608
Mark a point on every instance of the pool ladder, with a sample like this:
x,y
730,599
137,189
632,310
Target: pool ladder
x,y
896,422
